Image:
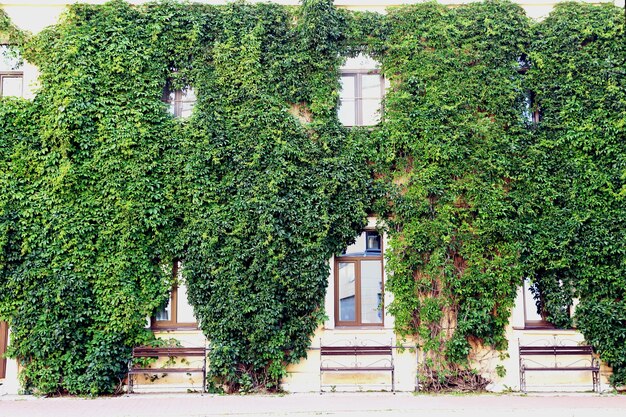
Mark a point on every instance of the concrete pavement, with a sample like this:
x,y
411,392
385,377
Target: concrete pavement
x,y
309,405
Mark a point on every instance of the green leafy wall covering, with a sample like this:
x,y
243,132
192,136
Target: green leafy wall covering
x,y
573,175
268,198
452,134
85,200
103,189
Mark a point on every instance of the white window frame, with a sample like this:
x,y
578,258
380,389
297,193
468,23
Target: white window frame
x,y
358,74
10,73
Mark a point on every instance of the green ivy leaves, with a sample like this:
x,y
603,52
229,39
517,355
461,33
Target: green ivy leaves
x,y
453,125
108,188
573,211
102,188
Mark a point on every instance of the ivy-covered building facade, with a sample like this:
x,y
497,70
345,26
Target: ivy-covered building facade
x,y
440,185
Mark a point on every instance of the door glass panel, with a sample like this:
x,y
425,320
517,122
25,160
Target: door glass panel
x,y
347,292
371,292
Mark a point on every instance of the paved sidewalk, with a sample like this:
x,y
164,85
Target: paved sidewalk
x,y
309,405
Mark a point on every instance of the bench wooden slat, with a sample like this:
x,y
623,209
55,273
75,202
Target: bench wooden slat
x,y
166,352
356,369
562,368
564,353
170,351
357,351
554,351
164,370
559,350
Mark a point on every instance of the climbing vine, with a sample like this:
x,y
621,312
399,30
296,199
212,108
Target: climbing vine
x,y
83,259
277,186
102,189
452,132
573,175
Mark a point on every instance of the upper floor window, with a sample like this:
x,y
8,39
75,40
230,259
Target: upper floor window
x,y
531,111
181,102
11,76
177,312
359,282
362,90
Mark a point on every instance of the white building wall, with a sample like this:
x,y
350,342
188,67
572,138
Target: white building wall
x,y
35,15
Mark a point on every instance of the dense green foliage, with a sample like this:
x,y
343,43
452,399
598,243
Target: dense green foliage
x,y
85,190
573,177
102,189
452,132
272,198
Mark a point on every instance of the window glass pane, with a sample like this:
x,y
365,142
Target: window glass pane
x,y
8,62
373,243
530,304
347,114
361,62
184,310
347,86
358,247
189,95
371,111
172,108
528,105
164,313
347,292
11,86
169,95
371,86
186,107
371,291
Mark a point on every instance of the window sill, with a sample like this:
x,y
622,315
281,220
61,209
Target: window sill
x,y
546,328
174,328
344,327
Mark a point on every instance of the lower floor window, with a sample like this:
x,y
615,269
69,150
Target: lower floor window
x,y
177,312
534,315
359,283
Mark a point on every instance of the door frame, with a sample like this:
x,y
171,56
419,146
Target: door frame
x,y
4,336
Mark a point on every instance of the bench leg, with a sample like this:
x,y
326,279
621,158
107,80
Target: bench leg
x,y
522,380
321,391
204,390
596,381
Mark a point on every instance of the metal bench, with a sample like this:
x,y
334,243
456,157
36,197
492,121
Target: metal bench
x,y
166,352
347,356
589,363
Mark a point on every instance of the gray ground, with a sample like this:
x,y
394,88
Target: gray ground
x,y
305,405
